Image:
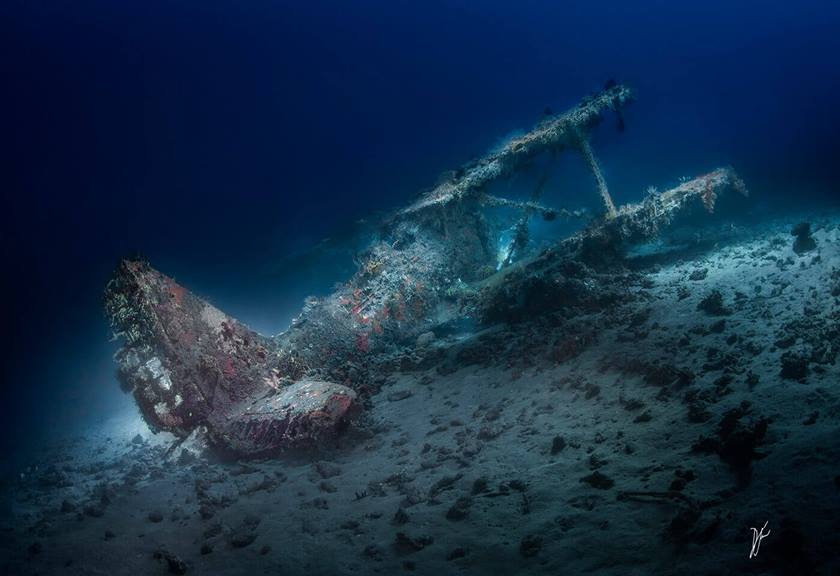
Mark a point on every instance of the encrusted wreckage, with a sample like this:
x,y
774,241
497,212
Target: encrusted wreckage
x,y
190,366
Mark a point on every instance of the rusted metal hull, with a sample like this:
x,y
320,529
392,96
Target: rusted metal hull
x,y
188,365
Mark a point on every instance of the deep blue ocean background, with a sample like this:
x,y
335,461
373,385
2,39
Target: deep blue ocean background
x,y
218,138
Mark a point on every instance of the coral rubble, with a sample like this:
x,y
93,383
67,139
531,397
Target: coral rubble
x,y
804,241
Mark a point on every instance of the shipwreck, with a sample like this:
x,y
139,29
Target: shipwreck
x,y
192,367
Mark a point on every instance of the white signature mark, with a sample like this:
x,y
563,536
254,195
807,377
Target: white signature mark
x,y
758,536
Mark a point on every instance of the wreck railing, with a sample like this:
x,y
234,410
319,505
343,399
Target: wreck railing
x,y
567,130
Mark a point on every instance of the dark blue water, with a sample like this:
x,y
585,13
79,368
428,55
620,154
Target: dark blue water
x,y
218,137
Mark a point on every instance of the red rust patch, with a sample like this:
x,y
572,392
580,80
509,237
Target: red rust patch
x,y
229,369
177,293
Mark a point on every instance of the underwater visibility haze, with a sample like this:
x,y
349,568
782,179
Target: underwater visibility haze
x,y
445,287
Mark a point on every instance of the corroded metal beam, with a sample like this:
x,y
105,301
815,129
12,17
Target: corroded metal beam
x,y
566,130
600,182
552,279
643,220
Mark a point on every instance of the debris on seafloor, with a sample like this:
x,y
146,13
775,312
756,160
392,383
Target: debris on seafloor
x,y
191,366
803,242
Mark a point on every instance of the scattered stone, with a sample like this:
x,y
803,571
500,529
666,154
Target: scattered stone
x,y
206,511
94,510
592,391
186,457
67,507
557,445
480,485
666,376
327,469
206,549
373,552
493,414
722,386
445,483
404,544
804,242
683,523
460,509
52,477
682,478
246,533
598,480
697,412
713,305
135,472
242,537
640,317
596,462
456,553
399,395
525,504
400,517
643,417
173,562
155,516
425,339
518,485
490,432
698,274
632,404
794,366
267,483
736,443
791,556
565,523
530,545
242,469
214,530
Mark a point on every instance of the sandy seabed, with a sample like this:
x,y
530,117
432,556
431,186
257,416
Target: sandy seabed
x,y
643,439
